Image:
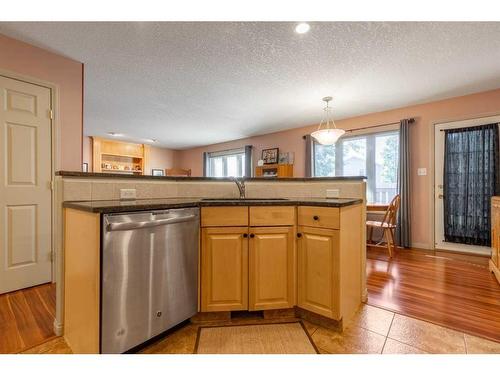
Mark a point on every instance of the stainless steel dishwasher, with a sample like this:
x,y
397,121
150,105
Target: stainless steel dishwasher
x,y
149,275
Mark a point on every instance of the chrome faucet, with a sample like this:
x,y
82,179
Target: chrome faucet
x,y
241,186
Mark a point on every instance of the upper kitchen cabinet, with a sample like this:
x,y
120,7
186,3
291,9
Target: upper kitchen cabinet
x,y
119,157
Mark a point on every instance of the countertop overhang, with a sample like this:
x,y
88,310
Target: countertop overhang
x,y
115,206
208,179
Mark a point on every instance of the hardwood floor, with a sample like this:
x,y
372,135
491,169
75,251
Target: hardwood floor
x,y
26,317
455,292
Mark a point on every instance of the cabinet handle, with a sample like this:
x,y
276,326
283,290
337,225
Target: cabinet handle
x,y
252,235
299,235
245,235
316,217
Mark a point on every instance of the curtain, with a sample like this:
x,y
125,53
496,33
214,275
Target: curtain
x,y
309,156
205,164
403,230
471,178
248,161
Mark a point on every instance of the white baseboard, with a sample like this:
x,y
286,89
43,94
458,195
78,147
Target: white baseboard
x,y
419,245
58,328
364,296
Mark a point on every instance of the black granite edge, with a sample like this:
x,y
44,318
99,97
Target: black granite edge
x,y
173,178
124,206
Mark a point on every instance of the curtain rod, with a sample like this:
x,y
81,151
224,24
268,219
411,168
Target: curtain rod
x,y
410,120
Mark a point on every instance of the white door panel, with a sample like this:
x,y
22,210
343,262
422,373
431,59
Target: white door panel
x,y
25,174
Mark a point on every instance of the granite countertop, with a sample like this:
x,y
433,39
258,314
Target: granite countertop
x,y
113,206
184,178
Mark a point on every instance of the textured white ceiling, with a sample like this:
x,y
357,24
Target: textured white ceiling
x,y
189,84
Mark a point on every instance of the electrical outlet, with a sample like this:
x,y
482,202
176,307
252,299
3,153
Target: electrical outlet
x,y
332,193
422,172
127,194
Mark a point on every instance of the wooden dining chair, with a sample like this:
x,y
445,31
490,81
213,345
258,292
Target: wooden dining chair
x,y
388,224
178,172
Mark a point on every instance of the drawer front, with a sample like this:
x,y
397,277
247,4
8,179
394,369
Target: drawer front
x,y
319,217
272,216
224,216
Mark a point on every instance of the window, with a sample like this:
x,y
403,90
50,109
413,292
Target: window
x,y
372,155
229,163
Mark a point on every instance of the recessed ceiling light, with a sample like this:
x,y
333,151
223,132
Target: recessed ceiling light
x,y
302,28
113,134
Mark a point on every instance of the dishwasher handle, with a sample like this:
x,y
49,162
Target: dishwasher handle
x,y
148,224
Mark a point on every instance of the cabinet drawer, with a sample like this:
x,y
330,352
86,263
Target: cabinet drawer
x,y
320,217
224,216
272,216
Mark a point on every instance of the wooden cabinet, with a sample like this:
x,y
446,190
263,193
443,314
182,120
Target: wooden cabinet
x,y
318,271
247,267
495,237
320,217
329,264
224,216
120,157
82,239
271,268
274,170
255,258
224,269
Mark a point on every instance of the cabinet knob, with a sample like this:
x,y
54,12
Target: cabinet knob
x,y
245,235
299,235
252,235
316,217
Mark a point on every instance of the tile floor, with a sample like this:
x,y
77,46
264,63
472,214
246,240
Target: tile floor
x,y
372,330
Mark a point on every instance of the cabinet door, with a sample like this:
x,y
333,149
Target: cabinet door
x,y
318,271
271,268
495,233
224,269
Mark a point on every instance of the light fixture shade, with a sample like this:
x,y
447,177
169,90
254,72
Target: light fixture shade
x,y
328,136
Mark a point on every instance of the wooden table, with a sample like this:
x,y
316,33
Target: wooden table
x,y
372,207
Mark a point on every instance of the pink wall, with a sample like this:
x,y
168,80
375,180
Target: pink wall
x,y
87,152
161,158
421,148
32,62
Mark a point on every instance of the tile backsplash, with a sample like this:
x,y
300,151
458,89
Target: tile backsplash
x,y
79,189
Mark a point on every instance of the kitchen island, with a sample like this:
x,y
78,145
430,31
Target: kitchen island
x,y
254,254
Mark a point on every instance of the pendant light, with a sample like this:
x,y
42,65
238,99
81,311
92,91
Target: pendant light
x,y
329,134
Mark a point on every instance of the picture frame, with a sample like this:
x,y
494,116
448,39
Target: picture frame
x,y
283,159
157,172
270,155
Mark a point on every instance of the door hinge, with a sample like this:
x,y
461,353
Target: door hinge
x,y
52,255
51,185
51,114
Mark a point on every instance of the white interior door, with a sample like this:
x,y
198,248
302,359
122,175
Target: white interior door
x,y
25,193
439,150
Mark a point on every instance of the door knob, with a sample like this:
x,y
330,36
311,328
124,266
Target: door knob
x,y
316,217
252,235
299,235
245,235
